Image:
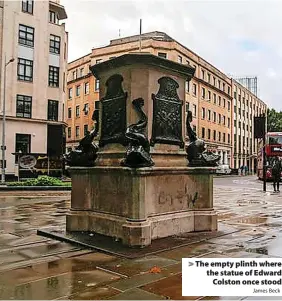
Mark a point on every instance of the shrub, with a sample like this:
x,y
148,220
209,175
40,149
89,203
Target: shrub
x,y
41,181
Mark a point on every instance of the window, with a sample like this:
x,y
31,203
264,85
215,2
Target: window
x,y
98,61
77,111
218,84
55,44
86,88
209,78
162,54
74,74
219,100
70,93
25,70
224,120
214,116
224,137
228,90
214,135
97,82
223,87
179,59
209,115
77,131
214,81
214,98
53,106
228,105
194,110
224,102
26,35
203,132
203,113
219,136
203,74
69,132
209,134
219,118
209,95
194,89
228,138
53,17
53,76
86,109
69,112
187,83
81,72
77,90
24,104
23,143
27,6
228,124
203,93
85,129
187,106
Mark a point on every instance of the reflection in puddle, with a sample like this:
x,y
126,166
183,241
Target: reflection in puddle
x,y
254,220
261,250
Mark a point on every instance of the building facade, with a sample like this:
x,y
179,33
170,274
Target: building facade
x,y
209,95
34,44
246,106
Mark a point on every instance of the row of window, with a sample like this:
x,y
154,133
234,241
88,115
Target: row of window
x,y
77,131
245,143
75,73
28,7
24,107
248,103
209,115
216,100
243,126
25,72
216,83
85,109
26,38
86,89
220,137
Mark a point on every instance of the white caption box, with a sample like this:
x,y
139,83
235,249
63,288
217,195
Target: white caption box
x,y
232,277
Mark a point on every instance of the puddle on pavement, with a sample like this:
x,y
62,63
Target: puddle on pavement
x,y
253,220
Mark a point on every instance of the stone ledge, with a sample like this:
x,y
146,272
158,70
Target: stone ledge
x,y
144,171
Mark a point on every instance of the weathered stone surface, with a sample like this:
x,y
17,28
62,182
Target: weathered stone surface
x,y
138,205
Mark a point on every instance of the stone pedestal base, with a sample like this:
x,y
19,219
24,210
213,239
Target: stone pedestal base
x,y
140,205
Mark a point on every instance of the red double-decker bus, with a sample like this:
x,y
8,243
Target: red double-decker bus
x,y
273,148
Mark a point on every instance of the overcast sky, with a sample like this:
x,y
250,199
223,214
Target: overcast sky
x,y
241,38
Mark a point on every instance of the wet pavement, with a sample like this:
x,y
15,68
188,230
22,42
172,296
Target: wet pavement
x,y
33,267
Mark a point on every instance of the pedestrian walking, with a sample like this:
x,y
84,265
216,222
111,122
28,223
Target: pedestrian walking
x,y
276,173
246,170
242,170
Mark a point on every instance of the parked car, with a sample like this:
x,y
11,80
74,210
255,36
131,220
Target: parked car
x,y
223,169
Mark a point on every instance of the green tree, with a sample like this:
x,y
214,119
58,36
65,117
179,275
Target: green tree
x,y
274,121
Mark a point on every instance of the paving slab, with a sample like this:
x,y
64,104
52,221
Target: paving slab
x,y
136,294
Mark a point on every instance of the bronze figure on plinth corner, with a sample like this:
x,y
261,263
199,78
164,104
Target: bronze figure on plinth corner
x,y
86,152
138,151
197,154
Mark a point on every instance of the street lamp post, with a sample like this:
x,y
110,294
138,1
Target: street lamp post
x,y
4,120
